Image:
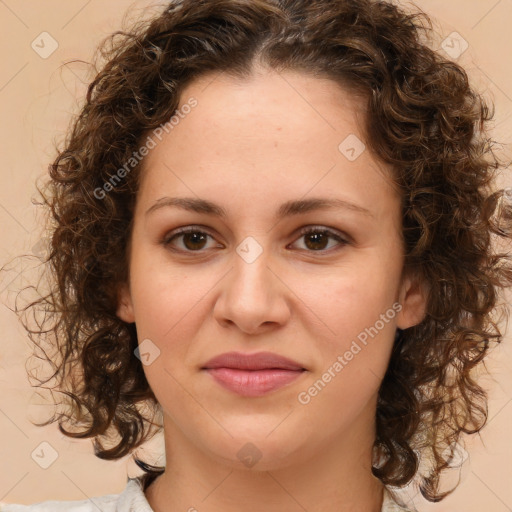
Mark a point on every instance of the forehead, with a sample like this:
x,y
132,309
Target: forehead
x,y
270,134
303,104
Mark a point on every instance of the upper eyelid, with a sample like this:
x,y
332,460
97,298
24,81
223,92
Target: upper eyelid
x,y
332,232
203,229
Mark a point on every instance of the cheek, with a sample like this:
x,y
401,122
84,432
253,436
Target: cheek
x,y
354,352
352,298
358,306
167,304
164,295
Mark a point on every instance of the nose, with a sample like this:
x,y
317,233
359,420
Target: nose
x,y
253,296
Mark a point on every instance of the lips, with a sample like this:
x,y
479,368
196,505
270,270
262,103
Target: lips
x,y
253,375
258,361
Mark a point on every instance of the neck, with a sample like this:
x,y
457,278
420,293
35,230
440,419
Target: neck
x,y
337,478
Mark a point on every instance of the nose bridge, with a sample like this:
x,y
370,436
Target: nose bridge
x,y
250,280
251,295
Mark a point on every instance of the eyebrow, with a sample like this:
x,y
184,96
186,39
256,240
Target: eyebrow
x,y
287,209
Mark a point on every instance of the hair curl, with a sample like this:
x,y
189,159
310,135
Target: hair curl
x,y
423,118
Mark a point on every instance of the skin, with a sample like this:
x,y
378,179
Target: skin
x,y
250,146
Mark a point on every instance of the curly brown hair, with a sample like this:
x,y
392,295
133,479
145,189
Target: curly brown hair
x,y
422,117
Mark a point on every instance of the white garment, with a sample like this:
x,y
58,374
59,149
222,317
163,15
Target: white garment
x,y
132,499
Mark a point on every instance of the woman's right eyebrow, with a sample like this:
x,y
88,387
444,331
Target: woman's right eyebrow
x,y
287,209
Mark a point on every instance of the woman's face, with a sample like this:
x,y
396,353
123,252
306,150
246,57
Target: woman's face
x,y
260,151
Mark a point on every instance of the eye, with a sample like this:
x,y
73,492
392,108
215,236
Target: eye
x,y
193,239
317,238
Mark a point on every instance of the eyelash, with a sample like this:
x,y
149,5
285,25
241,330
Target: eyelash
x,y
166,242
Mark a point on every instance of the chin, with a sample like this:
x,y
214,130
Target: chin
x,y
262,451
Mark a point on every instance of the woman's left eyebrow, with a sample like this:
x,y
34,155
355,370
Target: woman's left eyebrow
x,y
287,209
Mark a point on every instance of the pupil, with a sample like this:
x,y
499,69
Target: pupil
x,y
318,238
197,238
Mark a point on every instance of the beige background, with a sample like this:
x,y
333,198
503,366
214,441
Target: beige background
x,y
37,96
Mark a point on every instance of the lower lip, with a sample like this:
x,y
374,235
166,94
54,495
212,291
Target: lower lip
x,y
253,382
